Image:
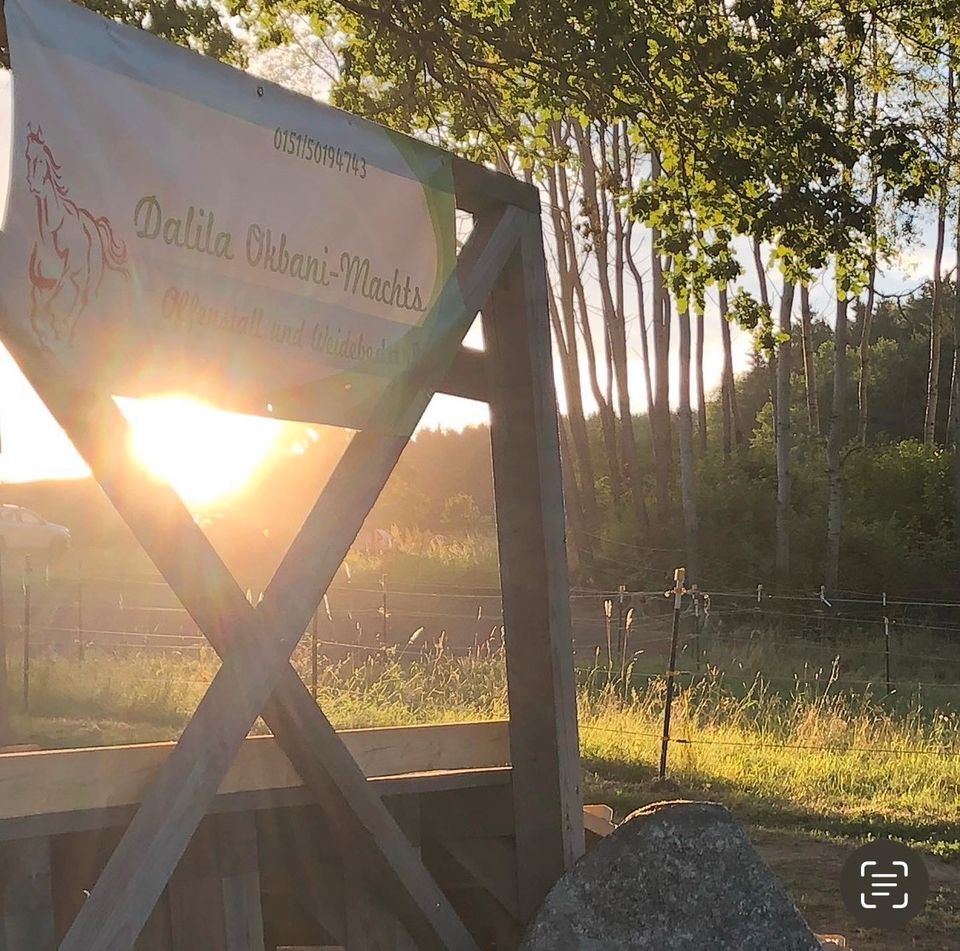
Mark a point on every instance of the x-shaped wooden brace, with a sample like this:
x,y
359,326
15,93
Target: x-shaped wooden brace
x,y
255,644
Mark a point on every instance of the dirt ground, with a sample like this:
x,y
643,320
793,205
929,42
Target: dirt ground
x,y
810,870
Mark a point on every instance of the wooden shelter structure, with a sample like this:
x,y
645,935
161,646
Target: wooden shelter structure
x,y
430,837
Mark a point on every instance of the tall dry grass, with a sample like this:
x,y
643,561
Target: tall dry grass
x,y
814,752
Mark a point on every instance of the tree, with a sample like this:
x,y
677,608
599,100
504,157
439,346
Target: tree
x,y
783,434
688,495
732,427
809,365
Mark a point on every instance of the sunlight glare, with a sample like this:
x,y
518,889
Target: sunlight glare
x,y
206,454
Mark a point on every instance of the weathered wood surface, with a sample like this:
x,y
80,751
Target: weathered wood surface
x,y
261,643
59,781
533,575
26,897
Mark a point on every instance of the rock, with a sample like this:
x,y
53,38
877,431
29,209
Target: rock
x,y
674,876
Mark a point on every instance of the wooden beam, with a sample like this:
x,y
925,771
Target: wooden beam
x,y
467,376
491,863
406,784
479,189
533,575
60,781
258,658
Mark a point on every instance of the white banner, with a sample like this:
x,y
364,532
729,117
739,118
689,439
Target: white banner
x,y
175,225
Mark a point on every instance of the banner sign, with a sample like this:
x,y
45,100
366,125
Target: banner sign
x,y
176,225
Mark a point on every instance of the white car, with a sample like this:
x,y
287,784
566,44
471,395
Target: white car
x,y
23,530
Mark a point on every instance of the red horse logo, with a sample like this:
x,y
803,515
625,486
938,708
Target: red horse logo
x,y
73,252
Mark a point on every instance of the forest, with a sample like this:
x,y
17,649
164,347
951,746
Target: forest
x,y
758,164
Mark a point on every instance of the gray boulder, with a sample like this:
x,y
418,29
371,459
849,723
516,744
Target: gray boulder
x,y
674,876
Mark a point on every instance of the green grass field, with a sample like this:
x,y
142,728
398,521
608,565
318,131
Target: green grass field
x,y
815,755
811,766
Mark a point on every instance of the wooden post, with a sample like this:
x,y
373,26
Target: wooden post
x,y
80,616
27,572
533,575
678,577
383,610
6,733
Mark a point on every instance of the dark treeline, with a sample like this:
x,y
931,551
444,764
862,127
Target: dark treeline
x,y
900,532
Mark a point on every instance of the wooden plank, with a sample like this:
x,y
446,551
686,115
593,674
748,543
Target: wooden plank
x,y
59,823
239,881
298,863
490,810
58,781
196,898
258,659
598,822
26,897
370,925
479,188
76,859
491,863
533,574
467,376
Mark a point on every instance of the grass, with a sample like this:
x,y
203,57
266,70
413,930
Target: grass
x,y
819,757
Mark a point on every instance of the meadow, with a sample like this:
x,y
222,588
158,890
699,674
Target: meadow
x,y
813,761
814,752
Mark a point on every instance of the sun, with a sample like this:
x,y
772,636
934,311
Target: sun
x,y
205,454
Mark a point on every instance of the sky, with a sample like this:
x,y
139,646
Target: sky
x,y
173,433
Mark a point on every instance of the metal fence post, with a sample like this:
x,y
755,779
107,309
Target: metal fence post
x,y
621,590
27,571
677,592
4,684
696,626
383,609
80,644
886,643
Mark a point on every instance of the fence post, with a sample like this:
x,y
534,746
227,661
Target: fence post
x,y
696,626
677,592
607,619
627,624
27,571
80,613
4,683
313,652
886,642
383,610
621,590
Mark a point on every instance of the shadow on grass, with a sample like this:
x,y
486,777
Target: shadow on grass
x,y
626,786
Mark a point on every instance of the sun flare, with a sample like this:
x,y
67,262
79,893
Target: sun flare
x,y
206,454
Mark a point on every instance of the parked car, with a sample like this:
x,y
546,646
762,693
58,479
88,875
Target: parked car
x,y
24,531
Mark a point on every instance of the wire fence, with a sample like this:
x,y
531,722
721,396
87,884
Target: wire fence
x,y
862,641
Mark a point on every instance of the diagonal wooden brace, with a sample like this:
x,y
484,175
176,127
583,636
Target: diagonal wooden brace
x,y
256,646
